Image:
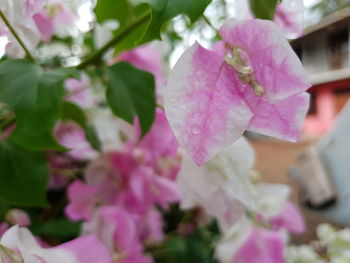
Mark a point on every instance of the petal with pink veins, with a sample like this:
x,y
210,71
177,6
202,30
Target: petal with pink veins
x,y
204,109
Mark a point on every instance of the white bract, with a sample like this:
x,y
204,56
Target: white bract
x,y
22,244
24,26
222,186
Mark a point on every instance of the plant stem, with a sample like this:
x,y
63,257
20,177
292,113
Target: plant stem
x,y
96,57
206,19
14,33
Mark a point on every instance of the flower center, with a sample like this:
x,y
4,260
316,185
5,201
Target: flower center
x,y
244,72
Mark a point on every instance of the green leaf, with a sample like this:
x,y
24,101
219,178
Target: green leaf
x,y
131,93
91,136
196,247
59,227
126,14
23,176
263,9
35,97
132,39
120,10
164,10
71,111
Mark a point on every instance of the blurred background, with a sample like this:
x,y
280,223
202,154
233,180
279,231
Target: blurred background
x,y
318,167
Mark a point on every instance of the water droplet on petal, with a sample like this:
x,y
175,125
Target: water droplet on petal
x,y
196,130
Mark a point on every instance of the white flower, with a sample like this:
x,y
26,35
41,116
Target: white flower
x,y
232,240
222,186
24,26
326,233
302,254
21,243
271,198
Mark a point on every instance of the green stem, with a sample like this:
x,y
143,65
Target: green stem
x,y
14,33
97,56
9,254
206,19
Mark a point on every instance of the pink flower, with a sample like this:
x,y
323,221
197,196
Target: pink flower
x,y
53,15
252,80
262,246
159,142
23,246
289,16
151,226
33,6
290,219
117,230
82,200
3,228
44,25
79,91
88,249
71,136
130,183
24,25
17,217
147,189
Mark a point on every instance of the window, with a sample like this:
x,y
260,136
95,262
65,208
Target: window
x,y
338,49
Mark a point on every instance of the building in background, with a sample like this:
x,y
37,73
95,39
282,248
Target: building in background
x,y
324,52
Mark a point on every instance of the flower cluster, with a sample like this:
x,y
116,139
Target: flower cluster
x,y
194,159
34,21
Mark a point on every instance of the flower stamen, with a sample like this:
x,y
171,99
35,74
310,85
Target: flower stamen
x,y
245,73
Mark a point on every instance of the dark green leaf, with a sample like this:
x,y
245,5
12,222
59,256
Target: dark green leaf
x,y
263,9
23,176
71,111
131,93
59,227
164,10
91,136
196,247
35,97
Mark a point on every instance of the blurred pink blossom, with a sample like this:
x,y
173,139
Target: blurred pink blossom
x,y
88,249
289,218
17,217
72,136
55,13
262,246
82,200
117,230
3,228
79,91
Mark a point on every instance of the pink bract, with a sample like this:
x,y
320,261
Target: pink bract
x,y
88,249
117,230
209,104
262,246
82,200
18,217
290,219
